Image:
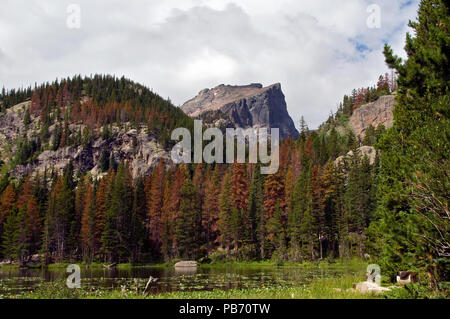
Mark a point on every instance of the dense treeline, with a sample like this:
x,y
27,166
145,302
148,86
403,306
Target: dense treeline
x,y
412,228
310,209
306,211
386,84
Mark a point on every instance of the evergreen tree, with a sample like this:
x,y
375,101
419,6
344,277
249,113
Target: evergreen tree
x,y
102,203
239,196
298,223
87,223
116,237
225,212
414,181
329,180
11,235
318,207
277,234
70,222
188,223
256,209
210,212
138,231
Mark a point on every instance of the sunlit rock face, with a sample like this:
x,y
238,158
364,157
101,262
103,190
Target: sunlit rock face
x,y
140,150
375,114
243,106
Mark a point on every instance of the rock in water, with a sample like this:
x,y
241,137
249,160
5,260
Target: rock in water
x,y
243,106
186,264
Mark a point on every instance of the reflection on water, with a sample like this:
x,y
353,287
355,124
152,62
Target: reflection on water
x,y
186,270
202,278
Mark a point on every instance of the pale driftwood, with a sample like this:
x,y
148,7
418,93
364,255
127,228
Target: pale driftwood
x,y
136,285
113,265
124,290
369,287
150,281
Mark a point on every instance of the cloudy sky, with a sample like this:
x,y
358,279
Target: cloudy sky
x,y
318,50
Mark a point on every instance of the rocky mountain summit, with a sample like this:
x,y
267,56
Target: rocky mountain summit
x,y
243,106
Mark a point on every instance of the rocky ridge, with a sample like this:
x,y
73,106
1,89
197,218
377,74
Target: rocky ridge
x,y
244,106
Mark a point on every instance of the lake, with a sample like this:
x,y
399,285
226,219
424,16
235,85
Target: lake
x,y
209,277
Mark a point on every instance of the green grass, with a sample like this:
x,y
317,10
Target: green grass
x,y
323,288
351,263
9,266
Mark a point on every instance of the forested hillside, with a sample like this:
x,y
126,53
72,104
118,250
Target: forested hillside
x,y
96,102
311,209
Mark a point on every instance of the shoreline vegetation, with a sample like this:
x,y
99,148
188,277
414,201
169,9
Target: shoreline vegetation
x,y
353,262
324,288
334,287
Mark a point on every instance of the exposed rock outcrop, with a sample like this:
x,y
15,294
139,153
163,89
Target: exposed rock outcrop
x,y
368,151
406,277
375,114
370,287
186,264
244,106
141,150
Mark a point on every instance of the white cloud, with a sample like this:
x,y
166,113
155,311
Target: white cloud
x,y
178,47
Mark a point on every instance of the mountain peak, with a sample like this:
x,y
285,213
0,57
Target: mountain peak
x,y
245,106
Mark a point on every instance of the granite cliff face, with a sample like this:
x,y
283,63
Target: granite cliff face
x,y
135,146
243,106
375,114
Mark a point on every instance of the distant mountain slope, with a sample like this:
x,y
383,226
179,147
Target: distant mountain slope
x,y
95,122
98,122
244,106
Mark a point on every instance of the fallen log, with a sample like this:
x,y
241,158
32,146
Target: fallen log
x,y
150,281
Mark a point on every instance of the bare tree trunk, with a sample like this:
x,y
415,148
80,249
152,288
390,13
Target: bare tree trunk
x,y
320,247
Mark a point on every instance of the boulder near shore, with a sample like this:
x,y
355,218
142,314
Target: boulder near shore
x,y
186,264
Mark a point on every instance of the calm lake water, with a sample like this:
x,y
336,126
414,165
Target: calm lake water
x,y
14,281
